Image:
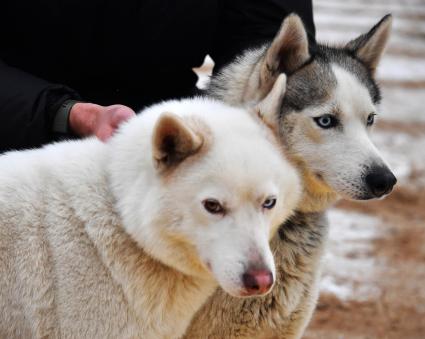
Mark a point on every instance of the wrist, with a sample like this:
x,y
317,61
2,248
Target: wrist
x,y
61,120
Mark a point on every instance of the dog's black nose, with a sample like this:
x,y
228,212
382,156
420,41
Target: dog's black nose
x,y
380,181
257,281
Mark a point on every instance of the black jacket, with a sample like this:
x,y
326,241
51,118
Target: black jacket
x,y
131,52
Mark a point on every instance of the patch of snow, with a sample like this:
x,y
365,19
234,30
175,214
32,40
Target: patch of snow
x,y
384,7
365,22
331,286
342,36
402,104
401,68
349,266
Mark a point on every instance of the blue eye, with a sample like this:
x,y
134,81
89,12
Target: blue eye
x,y
371,119
269,203
326,121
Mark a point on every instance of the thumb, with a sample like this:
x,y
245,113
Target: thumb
x,y
105,132
121,114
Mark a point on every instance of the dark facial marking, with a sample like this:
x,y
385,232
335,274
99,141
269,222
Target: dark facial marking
x,y
312,84
309,86
348,61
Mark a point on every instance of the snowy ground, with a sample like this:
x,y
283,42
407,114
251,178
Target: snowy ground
x,y
349,255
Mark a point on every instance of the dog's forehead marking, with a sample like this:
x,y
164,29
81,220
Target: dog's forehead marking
x,y
351,96
330,56
310,87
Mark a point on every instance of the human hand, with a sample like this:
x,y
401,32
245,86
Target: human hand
x,y
87,119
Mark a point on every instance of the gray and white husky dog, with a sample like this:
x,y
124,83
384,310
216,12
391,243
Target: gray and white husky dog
x,y
324,123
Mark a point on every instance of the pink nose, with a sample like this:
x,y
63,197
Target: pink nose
x,y
257,281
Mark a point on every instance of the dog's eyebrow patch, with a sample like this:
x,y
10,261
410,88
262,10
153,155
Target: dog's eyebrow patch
x,y
313,134
337,112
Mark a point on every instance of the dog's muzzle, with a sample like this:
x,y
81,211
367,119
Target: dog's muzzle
x,y
380,181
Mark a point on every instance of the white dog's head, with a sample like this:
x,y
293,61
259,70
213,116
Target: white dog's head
x,y
218,188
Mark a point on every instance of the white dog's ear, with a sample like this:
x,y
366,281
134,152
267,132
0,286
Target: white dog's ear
x,y
370,46
173,141
288,51
268,108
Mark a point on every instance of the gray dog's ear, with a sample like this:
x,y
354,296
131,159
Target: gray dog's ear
x,y
268,108
288,51
370,46
173,141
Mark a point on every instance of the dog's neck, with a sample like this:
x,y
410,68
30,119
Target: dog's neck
x,y
317,195
152,289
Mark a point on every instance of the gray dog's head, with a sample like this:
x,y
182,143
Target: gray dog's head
x,y
328,109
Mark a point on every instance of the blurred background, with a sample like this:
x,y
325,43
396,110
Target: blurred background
x,y
373,284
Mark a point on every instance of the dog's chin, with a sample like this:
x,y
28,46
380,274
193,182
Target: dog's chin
x,y
243,293
373,197
358,196
235,292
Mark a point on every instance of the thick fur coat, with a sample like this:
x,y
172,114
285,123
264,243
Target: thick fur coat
x,y
110,241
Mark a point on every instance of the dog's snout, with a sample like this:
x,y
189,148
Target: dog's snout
x,y
257,281
380,181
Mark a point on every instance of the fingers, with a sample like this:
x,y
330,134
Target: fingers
x,y
105,132
121,114
111,118
88,119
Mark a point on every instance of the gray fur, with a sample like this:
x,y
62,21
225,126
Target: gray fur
x,y
309,85
345,58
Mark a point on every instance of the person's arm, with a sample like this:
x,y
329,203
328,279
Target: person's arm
x,y
34,112
248,23
28,106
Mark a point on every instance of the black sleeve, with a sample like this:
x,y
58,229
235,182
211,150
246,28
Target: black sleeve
x,y
247,23
27,108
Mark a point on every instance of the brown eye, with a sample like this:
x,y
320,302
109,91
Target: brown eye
x,y
213,206
269,203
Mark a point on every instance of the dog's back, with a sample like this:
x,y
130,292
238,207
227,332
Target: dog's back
x,y
49,266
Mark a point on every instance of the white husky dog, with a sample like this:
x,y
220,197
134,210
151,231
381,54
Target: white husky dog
x,y
129,238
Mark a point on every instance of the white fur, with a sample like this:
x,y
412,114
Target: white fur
x,y
95,242
233,161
